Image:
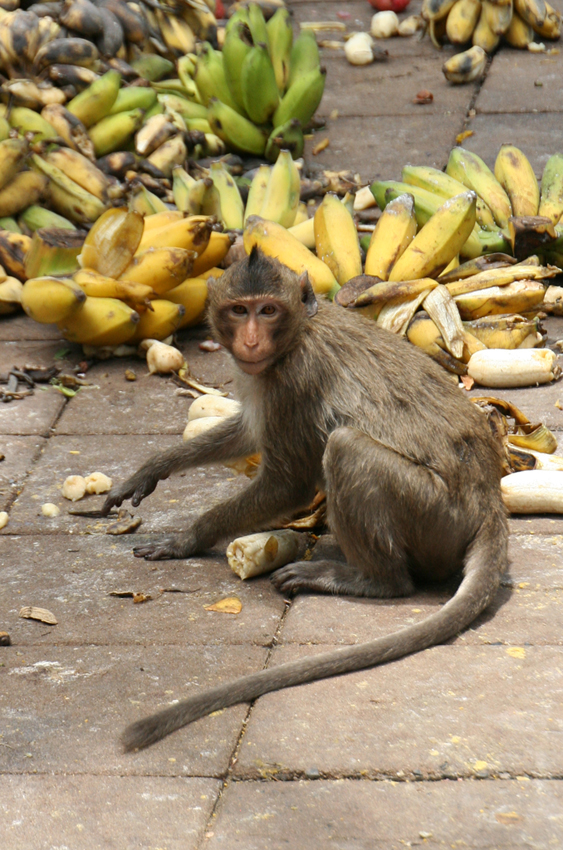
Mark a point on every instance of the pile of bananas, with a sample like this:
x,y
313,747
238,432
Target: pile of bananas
x,y
130,279
484,23
262,88
38,43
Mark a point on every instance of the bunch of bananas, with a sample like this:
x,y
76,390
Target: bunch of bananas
x,y
131,279
78,33
262,88
484,23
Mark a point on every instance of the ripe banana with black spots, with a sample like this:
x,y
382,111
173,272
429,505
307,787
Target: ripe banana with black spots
x,y
516,176
551,197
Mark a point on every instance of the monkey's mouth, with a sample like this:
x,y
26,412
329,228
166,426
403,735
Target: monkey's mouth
x,y
253,367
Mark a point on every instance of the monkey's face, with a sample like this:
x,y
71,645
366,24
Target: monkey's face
x,y
253,325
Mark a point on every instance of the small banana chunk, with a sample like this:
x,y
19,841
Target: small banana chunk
x,y
50,510
520,367
384,25
97,483
3,519
212,405
74,488
358,49
535,491
264,552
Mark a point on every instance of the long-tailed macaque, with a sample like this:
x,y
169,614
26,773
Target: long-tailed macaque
x,y
409,466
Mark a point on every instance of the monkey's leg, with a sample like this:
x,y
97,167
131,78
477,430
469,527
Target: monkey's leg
x,y
228,440
375,498
262,501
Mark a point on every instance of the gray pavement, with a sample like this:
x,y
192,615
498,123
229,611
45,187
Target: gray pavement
x,y
457,747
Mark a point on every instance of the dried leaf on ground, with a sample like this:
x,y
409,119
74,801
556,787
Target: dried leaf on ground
x,y
30,612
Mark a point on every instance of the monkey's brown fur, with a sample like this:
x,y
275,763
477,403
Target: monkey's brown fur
x,y
410,468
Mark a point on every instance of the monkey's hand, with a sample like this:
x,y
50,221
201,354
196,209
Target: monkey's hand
x,y
169,546
136,488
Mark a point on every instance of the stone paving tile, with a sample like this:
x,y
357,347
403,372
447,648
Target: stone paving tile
x,y
381,147
115,405
20,327
109,813
352,815
536,560
385,89
448,711
537,137
73,577
20,453
167,509
517,616
84,696
535,83
538,406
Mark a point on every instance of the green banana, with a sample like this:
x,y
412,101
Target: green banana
x,y
181,185
257,25
232,207
304,56
302,98
260,94
287,137
235,130
282,192
95,102
551,200
111,133
447,187
66,195
280,33
186,108
133,97
36,217
238,42
210,77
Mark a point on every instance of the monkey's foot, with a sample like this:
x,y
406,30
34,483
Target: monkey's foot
x,y
320,576
163,548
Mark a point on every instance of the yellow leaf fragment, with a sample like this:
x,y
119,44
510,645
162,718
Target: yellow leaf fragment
x,y
516,651
229,605
461,137
30,612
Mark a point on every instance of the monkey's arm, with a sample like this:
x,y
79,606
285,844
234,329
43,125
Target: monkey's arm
x,y
228,440
265,499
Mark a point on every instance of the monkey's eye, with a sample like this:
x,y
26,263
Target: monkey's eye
x,y
239,309
268,310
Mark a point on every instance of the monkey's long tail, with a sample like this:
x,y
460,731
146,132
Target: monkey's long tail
x,y
485,563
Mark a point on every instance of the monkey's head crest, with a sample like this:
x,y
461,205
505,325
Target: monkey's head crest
x,y
260,275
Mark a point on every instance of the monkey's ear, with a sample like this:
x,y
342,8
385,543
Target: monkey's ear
x,y
307,295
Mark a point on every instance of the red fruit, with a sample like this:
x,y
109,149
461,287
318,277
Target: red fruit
x,y
389,5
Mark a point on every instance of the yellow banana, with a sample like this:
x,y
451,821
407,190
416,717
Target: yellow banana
x,y
432,180
191,232
503,331
257,192
501,277
438,241
275,241
519,33
336,239
153,133
12,155
469,169
112,242
232,207
13,251
100,321
216,251
80,169
516,176
97,285
498,16
145,202
69,128
532,12
522,296
465,67
371,300
462,19
551,27
53,251
51,299
282,191
483,36
192,294
68,198
393,233
25,189
161,268
10,295
160,219
171,153
305,232
162,320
